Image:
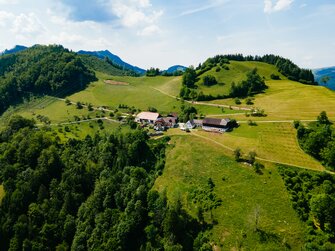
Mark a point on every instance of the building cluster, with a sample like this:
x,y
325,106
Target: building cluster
x,y
161,123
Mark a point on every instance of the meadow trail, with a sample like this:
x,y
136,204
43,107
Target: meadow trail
x,y
203,103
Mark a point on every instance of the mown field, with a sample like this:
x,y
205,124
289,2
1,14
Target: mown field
x,y
289,100
271,141
191,161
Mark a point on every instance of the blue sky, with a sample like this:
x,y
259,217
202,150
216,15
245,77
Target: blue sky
x,y
163,33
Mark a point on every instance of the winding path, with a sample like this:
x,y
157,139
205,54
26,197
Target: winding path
x,y
203,103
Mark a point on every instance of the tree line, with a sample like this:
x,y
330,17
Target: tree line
x,y
313,197
318,140
90,194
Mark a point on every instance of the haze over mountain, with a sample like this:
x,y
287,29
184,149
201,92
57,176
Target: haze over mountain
x,y
114,58
17,48
325,72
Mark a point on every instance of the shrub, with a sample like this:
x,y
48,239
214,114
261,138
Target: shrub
x,y
237,101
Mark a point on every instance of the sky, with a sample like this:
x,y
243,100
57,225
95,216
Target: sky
x,y
162,33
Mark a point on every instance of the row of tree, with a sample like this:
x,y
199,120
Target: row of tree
x,y
153,72
91,194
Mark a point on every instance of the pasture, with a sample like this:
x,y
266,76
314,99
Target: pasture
x,y
271,141
191,161
289,100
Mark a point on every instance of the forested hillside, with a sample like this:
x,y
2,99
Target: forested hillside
x,y
91,194
106,66
41,70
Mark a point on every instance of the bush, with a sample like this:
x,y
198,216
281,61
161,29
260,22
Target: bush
x,y
237,101
248,101
258,167
274,77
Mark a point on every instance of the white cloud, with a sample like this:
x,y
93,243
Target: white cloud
x,y
279,5
208,6
22,25
149,30
138,15
27,25
9,1
5,17
135,13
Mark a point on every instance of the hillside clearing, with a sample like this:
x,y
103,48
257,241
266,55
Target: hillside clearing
x,y
188,167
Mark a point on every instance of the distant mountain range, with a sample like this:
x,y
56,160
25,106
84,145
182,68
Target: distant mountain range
x,y
175,68
102,55
325,72
17,48
114,58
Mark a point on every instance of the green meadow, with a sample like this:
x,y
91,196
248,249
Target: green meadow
x,y
246,196
236,73
289,100
271,141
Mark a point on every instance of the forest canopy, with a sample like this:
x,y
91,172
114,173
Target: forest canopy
x,y
41,70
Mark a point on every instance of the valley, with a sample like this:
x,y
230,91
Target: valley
x,y
246,209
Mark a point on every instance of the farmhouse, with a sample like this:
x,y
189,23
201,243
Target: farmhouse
x,y
170,122
147,117
215,125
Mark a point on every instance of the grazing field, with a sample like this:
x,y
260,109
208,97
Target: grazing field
x,y
289,100
138,93
272,141
236,73
192,161
141,92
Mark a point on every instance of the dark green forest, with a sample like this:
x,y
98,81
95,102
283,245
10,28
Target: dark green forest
x,y
90,194
313,197
41,70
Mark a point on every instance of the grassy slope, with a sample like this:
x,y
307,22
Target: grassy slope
x,y
288,100
236,73
191,161
272,141
141,93
138,93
